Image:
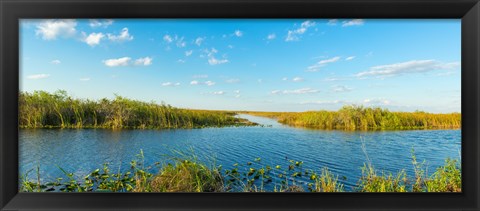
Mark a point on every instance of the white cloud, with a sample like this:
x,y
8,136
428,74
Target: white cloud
x,y
379,101
51,29
170,84
143,61
334,102
414,66
238,33
233,80
56,61
180,42
294,35
188,53
238,96
38,76
104,23
297,79
84,79
230,46
218,93
340,88
211,52
332,79
447,73
209,83
366,102
316,67
124,61
271,36
212,60
301,91
123,36
331,60
92,39
199,41
296,91
284,79
167,38
332,22
200,76
349,58
353,22
307,24
237,91
181,61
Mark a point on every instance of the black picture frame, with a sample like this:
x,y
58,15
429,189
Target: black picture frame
x,y
13,10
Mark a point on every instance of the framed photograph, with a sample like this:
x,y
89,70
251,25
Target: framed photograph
x,y
239,105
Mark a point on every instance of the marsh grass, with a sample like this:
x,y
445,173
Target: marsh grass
x,y
363,118
184,171
371,181
327,182
41,109
447,178
187,176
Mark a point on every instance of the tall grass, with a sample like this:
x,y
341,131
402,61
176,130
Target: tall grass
x,y
371,181
362,118
41,109
187,176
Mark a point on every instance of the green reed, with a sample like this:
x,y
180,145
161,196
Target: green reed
x,y
58,110
364,118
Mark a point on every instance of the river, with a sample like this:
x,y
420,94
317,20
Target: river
x,y
81,151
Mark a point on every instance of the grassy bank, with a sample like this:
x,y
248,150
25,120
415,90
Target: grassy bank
x,y
362,118
58,110
188,174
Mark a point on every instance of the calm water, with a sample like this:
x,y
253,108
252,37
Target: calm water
x,y
81,151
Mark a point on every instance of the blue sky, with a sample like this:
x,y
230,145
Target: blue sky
x,y
235,64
